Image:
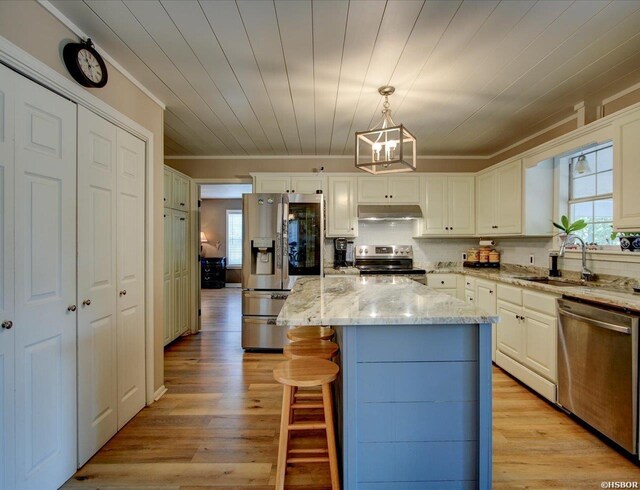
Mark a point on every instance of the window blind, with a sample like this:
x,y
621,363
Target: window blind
x,y
234,237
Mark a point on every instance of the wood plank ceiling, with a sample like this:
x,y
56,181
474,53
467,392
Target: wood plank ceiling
x,y
292,77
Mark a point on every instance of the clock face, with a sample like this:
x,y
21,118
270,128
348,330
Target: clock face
x,y
89,65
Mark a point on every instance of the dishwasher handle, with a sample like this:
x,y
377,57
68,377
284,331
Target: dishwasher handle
x,y
597,323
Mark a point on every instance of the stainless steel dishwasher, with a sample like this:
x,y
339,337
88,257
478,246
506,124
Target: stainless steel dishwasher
x,y
598,369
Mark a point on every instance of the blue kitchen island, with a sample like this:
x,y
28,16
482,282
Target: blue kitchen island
x,y
414,395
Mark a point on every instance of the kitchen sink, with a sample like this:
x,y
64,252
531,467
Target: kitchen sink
x,y
553,282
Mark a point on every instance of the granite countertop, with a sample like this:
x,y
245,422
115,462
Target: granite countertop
x,y
616,294
342,271
373,300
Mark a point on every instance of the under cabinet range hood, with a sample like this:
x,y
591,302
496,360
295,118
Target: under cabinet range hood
x,y
389,211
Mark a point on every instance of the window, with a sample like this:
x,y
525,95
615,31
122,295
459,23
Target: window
x,y
591,193
234,238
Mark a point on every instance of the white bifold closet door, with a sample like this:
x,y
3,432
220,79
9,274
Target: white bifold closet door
x,y
111,336
38,373
7,332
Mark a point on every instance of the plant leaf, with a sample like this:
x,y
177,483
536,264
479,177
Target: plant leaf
x,y
579,225
560,227
565,222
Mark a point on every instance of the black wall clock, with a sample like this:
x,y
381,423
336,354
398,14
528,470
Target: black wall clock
x,y
85,65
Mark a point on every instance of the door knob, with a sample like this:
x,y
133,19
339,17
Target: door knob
x,y
7,324
71,308
123,292
86,302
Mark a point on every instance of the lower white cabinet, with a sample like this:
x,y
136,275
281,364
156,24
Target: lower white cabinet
x,y
447,283
527,337
485,298
176,274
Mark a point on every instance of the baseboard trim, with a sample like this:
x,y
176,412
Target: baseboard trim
x,y
159,393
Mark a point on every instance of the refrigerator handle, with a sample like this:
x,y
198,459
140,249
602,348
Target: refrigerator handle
x,y
284,224
278,251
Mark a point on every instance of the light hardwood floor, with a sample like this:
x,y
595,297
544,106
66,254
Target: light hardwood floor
x,y
217,427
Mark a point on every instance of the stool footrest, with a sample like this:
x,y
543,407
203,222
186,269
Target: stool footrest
x,y
319,459
309,396
308,451
308,426
307,405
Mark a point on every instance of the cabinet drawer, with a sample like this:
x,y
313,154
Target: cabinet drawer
x,y
470,283
540,302
442,281
510,294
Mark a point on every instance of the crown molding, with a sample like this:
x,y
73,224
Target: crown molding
x,y
312,157
83,35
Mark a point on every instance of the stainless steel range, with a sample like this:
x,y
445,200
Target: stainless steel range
x,y
388,259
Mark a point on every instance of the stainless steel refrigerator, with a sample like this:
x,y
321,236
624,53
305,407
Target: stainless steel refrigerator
x,y
283,239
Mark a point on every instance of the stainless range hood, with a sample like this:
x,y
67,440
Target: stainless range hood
x,y
389,212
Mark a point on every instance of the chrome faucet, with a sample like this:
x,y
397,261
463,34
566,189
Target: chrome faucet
x,y
586,274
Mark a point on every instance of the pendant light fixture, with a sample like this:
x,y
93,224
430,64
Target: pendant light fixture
x,y
388,148
582,165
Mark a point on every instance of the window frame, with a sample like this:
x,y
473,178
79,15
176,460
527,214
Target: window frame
x,y
592,198
230,212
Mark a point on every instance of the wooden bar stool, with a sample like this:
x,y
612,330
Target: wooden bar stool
x,y
310,333
298,373
321,349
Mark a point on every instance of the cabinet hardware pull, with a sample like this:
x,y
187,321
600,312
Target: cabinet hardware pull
x,y
7,324
386,196
86,302
293,190
490,291
181,204
123,292
390,197
71,308
442,282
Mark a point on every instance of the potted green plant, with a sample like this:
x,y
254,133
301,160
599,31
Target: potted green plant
x,y
567,228
629,240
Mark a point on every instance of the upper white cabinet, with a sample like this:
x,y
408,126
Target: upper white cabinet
x,y
341,207
176,189
448,205
499,200
389,190
289,184
626,172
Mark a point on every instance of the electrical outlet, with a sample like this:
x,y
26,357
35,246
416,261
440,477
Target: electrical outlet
x,y
532,259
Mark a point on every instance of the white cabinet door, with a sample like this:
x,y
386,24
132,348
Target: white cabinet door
x,y
486,298
373,190
168,186
97,282
486,203
510,330
272,184
130,258
404,190
341,207
7,341
168,277
540,344
45,286
509,201
435,206
307,185
626,172
180,192
461,205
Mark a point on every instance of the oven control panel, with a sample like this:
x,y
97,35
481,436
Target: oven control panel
x,y
384,251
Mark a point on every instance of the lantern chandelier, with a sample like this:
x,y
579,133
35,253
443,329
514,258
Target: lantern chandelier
x,y
387,148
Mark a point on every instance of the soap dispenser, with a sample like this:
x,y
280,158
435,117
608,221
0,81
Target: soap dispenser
x,y
553,264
